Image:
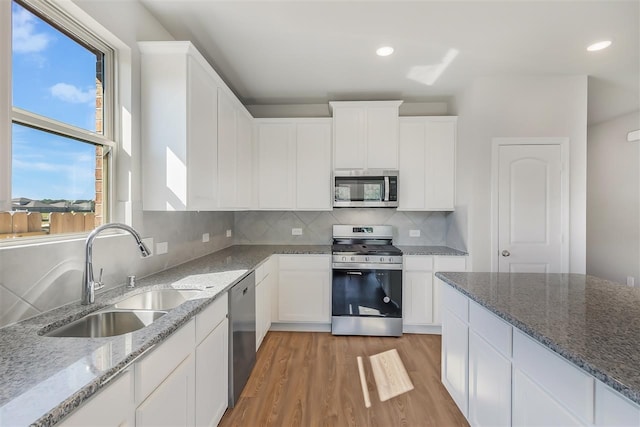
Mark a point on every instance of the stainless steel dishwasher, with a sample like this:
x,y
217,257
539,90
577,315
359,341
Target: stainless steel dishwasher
x,y
242,335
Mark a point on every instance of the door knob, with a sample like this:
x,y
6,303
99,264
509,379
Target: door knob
x,y
506,253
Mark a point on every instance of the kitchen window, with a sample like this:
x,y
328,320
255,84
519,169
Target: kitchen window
x,y
62,125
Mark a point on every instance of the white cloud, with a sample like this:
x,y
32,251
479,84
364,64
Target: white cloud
x,y
70,93
25,37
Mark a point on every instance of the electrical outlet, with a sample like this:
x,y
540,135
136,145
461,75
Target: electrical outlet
x,y
631,281
296,231
229,233
205,237
414,233
148,242
162,248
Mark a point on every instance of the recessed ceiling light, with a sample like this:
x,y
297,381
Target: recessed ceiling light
x,y
599,45
384,51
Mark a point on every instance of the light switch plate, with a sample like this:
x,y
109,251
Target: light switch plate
x,y
162,248
205,237
229,233
296,231
414,233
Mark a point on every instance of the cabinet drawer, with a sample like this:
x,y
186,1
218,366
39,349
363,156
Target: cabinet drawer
x,y
418,263
153,369
211,316
304,262
562,380
486,324
457,303
450,263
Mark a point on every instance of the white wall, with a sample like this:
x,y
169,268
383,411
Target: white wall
x,y
40,276
531,106
613,200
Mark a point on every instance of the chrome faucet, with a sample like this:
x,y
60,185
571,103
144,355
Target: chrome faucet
x,y
89,285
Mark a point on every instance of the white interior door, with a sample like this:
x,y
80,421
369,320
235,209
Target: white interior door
x,y
530,208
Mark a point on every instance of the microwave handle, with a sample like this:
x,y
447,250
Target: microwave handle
x,y
386,189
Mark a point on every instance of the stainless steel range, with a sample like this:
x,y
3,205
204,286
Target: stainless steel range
x,y
367,281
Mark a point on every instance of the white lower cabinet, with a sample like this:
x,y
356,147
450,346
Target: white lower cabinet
x,y
112,406
172,402
421,290
489,384
499,376
304,288
212,382
264,290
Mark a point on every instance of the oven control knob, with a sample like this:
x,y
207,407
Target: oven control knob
x,y
344,258
353,258
366,258
390,259
386,299
381,259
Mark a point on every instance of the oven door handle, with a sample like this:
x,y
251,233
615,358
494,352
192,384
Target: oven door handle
x,y
362,266
355,273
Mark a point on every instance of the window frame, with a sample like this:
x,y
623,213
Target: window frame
x,y
70,27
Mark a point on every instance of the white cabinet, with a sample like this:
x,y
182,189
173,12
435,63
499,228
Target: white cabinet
x,y
304,289
172,402
264,290
235,134
112,406
294,164
178,128
365,134
212,363
427,163
489,369
455,347
421,290
613,409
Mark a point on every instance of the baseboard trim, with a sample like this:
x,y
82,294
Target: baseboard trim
x,y
300,327
422,329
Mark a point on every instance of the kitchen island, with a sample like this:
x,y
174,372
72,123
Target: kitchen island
x,y
533,324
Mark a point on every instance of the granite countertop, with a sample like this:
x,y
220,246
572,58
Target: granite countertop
x,y
430,250
42,379
593,323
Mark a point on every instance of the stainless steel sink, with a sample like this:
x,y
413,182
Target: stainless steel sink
x,y
158,299
107,324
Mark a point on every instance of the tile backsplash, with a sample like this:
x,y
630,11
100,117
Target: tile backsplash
x,y
274,227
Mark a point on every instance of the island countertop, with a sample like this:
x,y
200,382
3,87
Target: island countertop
x,y
592,322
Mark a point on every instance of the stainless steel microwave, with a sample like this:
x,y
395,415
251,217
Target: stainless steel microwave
x,y
370,188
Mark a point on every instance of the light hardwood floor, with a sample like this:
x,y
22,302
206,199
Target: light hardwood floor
x,y
311,379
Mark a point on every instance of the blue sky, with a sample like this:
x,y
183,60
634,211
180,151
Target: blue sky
x,y
55,77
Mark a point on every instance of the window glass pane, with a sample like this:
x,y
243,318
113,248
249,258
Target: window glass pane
x,y
55,174
54,75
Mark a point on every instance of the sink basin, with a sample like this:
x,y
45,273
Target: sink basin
x,y
107,324
158,299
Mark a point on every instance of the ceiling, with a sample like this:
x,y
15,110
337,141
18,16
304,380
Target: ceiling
x,y
301,52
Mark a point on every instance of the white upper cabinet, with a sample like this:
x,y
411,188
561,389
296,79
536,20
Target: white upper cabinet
x,y
293,164
235,132
365,134
179,128
427,163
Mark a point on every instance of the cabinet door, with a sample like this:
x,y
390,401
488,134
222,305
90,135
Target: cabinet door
x,y
202,153
613,409
532,406
112,406
444,263
382,137
212,373
226,150
455,354
412,167
263,310
172,403
313,166
349,137
489,384
440,164
276,160
244,161
304,296
418,298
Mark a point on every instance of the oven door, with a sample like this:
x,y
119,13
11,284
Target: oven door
x,y
367,290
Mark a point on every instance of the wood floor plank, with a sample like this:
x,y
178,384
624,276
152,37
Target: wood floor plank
x,y
312,379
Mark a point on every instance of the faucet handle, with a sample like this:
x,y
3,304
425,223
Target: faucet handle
x,y
98,285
